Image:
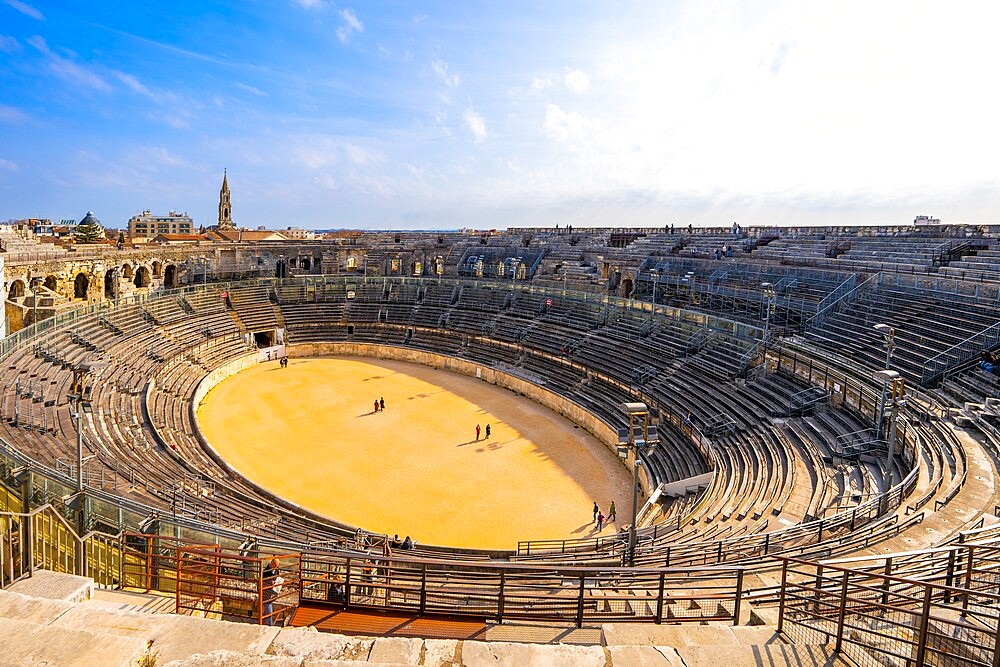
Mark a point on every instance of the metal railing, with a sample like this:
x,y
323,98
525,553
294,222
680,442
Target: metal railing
x,y
878,619
527,592
938,366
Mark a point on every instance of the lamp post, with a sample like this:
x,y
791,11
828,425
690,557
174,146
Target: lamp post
x,y
34,300
655,275
898,400
888,334
77,403
767,290
638,419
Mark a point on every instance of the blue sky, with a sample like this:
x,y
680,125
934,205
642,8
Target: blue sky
x,y
497,114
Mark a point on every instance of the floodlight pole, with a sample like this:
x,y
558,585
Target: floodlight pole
x,y
656,278
889,333
637,414
767,289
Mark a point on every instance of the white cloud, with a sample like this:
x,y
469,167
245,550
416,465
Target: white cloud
x,y
8,165
310,4
9,44
25,9
476,124
351,25
253,90
133,84
361,156
68,70
440,68
12,115
577,81
562,125
540,83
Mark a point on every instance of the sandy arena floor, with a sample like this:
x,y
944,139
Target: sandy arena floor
x,y
308,432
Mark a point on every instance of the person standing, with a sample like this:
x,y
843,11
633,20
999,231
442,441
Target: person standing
x,y
268,592
477,431
381,404
597,511
611,512
376,405
487,431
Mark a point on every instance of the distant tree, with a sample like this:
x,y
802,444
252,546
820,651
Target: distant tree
x,y
88,232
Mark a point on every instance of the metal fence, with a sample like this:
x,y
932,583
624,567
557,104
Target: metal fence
x,y
877,619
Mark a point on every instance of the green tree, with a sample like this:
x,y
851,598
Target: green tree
x,y
88,232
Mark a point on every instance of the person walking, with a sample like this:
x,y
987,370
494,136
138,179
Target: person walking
x,y
611,512
487,431
376,405
477,431
597,510
381,404
600,522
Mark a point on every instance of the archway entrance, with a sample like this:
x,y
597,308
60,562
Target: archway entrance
x,y
170,276
50,283
111,284
627,287
141,277
80,286
16,290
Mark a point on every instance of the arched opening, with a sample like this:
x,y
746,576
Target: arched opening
x,y
141,277
305,264
627,287
170,276
352,263
157,269
80,286
111,283
51,282
127,271
16,290
291,262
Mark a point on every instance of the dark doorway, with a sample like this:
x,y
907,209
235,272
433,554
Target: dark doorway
x,y
141,277
111,284
80,286
16,290
170,276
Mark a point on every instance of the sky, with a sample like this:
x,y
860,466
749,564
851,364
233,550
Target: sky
x,y
445,115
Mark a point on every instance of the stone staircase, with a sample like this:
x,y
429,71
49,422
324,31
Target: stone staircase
x,y
57,619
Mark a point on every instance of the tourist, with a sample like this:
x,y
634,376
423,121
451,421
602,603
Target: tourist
x,y
989,362
487,431
477,431
407,544
376,405
600,522
597,510
611,512
381,404
271,589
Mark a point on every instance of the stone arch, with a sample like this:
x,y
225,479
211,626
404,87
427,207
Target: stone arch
x,y
51,282
157,269
305,263
127,273
16,290
141,277
81,285
627,286
170,276
111,283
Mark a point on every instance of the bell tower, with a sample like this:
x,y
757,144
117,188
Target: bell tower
x,y
225,205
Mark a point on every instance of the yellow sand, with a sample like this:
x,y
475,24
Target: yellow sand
x,y
308,433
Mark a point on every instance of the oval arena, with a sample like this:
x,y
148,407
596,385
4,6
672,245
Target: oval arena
x,y
769,448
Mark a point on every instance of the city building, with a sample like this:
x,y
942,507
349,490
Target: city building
x,y
298,233
148,225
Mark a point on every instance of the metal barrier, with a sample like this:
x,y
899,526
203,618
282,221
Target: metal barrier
x,y
528,592
877,619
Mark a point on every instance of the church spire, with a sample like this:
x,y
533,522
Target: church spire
x,y
225,204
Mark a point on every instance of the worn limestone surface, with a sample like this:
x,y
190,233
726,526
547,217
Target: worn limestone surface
x,y
173,636
309,643
509,654
644,656
32,644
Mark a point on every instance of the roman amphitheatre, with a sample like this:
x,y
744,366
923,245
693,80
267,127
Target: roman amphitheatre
x,y
804,420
